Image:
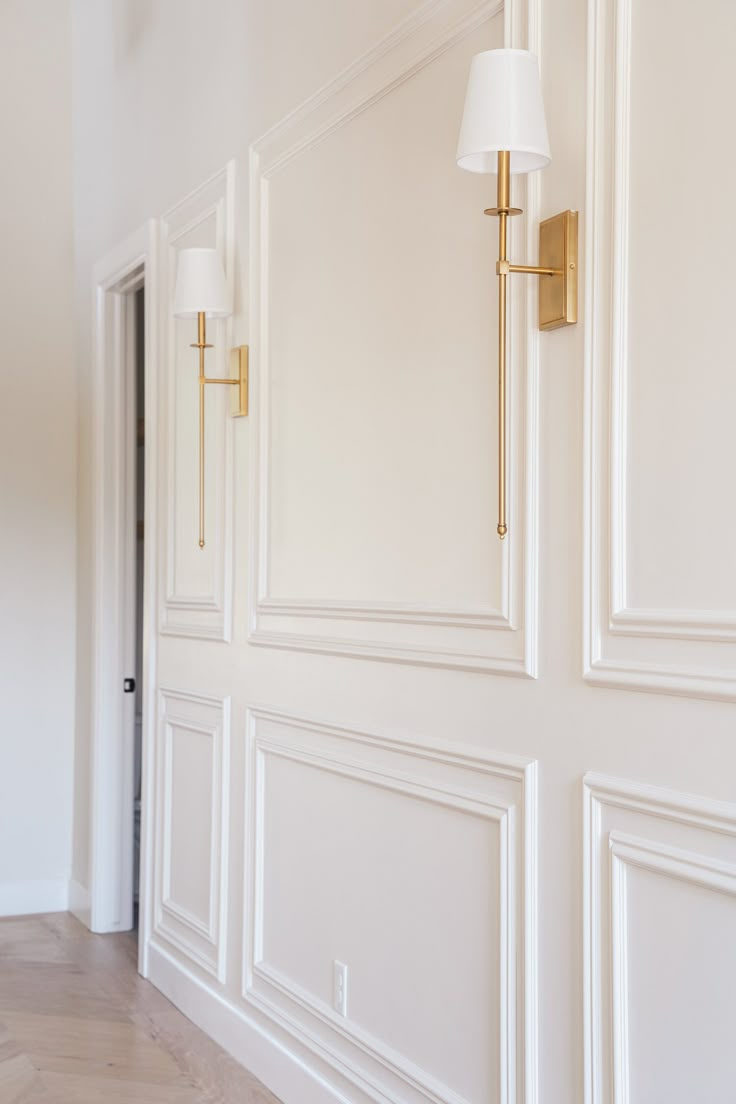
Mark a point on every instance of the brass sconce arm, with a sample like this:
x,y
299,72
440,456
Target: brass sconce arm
x,y
505,268
558,246
240,381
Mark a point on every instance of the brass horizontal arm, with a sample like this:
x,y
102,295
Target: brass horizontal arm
x,y
503,268
211,379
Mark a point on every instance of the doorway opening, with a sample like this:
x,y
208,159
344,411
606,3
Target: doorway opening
x,y
123,630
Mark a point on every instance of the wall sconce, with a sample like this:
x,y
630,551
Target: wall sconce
x,y
201,291
504,132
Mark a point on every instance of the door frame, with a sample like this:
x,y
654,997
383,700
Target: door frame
x,y
116,278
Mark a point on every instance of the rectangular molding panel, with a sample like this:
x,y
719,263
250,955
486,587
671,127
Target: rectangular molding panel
x,y
660,590
451,838
191,859
345,422
660,968
197,585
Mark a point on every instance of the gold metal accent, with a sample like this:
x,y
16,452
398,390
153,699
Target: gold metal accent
x,y
202,344
240,381
558,248
241,352
558,294
503,211
535,270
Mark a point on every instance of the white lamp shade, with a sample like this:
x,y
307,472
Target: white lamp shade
x,y
200,285
503,111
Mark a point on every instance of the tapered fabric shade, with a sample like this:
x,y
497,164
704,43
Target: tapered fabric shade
x,y
201,285
503,111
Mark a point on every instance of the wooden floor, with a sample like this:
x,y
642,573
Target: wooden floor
x,y
79,1026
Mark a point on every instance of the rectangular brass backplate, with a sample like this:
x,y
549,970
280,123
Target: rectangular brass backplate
x,y
241,373
558,248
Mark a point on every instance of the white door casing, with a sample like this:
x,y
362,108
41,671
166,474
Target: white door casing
x,y
134,263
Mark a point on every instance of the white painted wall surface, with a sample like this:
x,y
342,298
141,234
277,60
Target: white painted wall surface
x,y
504,922
37,458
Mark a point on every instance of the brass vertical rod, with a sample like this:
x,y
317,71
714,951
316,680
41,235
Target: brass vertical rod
x,y
201,337
503,186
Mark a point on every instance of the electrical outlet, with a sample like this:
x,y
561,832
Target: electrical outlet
x,y
340,994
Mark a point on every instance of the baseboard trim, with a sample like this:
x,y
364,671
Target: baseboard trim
x,y
246,1040
80,903
31,898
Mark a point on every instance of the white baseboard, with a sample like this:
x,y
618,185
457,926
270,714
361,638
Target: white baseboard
x,y
282,1071
80,903
27,898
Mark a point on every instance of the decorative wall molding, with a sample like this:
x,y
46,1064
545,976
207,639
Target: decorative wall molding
x,y
498,789
628,825
290,1071
201,939
673,862
667,650
502,640
206,216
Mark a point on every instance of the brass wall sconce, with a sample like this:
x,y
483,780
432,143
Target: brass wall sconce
x,y
504,132
201,291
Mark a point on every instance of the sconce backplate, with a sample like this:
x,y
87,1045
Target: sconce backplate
x,y
558,248
240,352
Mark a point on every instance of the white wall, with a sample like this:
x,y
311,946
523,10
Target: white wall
x,y
311,803
37,458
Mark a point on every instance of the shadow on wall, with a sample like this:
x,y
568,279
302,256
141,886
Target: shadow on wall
x,y
130,21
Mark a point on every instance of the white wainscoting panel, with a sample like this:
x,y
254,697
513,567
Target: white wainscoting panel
x,y
415,866
374,370
660,913
660,451
192,772
197,590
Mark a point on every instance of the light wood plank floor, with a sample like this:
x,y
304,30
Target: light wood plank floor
x,y
79,1026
